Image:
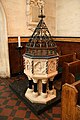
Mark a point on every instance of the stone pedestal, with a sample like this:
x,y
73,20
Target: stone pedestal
x,y
41,73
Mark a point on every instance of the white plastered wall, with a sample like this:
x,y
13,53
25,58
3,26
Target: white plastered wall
x,y
15,11
17,16
68,18
50,12
4,58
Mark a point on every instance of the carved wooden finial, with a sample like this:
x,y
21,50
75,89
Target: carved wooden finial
x,y
41,12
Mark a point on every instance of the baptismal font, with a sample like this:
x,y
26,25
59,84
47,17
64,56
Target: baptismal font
x,y
41,62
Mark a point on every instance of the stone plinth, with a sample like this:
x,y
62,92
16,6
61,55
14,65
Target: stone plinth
x,y
40,72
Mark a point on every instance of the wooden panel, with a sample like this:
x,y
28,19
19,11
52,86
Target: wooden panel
x,y
67,39
70,106
15,39
78,112
64,47
69,101
66,58
68,47
16,58
71,72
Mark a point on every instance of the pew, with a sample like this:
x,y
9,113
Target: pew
x,y
70,101
78,55
71,72
63,58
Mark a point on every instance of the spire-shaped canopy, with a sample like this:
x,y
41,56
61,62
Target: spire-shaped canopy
x,y
41,43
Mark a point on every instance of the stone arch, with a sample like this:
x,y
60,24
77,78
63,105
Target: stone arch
x,y
4,55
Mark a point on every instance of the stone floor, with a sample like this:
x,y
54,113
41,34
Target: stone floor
x,y
12,108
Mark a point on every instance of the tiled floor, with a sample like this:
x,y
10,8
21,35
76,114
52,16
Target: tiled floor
x,y
12,108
